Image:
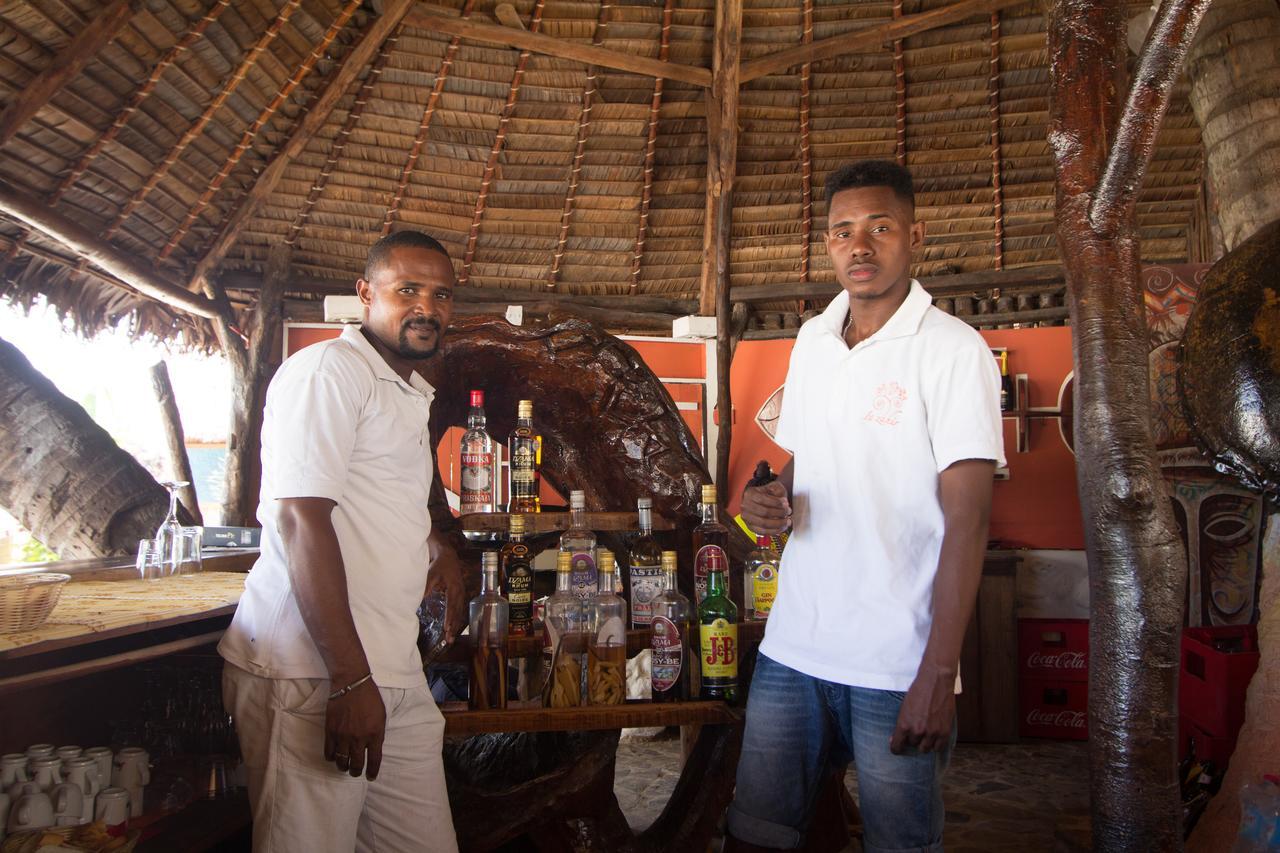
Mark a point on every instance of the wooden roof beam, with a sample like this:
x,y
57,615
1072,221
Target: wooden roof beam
x,y
426,19
313,118
68,63
650,151
870,37
88,245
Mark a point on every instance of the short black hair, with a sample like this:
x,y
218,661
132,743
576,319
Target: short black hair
x,y
872,173
381,251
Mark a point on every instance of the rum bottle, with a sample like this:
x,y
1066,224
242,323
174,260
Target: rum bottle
x,y
709,540
478,484
718,635
488,632
644,567
675,652
563,641
580,541
760,580
523,453
516,573
606,640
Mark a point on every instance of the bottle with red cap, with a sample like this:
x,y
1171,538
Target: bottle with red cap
x,y
478,482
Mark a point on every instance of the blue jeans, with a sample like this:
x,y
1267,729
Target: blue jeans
x,y
796,725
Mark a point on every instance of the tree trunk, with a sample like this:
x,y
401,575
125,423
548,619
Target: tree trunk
x,y
1136,562
1234,68
174,438
62,476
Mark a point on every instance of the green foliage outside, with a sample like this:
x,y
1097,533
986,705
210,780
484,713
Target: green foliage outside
x,y
35,552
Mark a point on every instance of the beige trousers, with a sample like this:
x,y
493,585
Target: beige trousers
x,y
304,804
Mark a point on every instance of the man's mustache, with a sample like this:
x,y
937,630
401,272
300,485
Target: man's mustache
x,y
429,323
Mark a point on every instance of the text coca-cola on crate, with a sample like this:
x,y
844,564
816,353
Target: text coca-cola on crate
x,y
1053,648
1054,709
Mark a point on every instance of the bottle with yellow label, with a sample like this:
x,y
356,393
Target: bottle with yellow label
x,y
760,580
718,635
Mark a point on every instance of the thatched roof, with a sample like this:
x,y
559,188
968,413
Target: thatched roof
x,y
157,142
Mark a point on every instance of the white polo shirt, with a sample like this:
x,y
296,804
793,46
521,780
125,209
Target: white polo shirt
x,y
341,424
871,428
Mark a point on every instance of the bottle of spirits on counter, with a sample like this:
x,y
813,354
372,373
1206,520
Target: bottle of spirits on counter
x,y
675,653
563,640
580,541
718,635
516,574
523,455
488,631
709,540
760,580
479,487
607,640
1006,383
644,566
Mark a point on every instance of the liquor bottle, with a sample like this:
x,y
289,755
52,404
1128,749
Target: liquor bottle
x,y
580,541
709,540
516,573
478,484
562,641
606,640
488,632
524,456
675,652
718,635
644,567
1006,383
760,580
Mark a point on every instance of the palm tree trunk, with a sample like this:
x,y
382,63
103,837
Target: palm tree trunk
x,y
61,474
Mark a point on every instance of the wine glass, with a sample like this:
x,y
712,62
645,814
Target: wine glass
x,y
169,536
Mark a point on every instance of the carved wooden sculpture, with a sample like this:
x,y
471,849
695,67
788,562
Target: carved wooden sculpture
x,y
1136,562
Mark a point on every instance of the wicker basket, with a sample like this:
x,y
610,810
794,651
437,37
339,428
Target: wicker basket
x,y
28,840
27,600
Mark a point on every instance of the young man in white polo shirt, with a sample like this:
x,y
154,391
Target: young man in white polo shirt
x,y
337,727
892,414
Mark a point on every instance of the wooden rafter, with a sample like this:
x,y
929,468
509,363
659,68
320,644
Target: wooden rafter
x,y
96,250
251,133
499,140
198,127
899,93
993,98
870,37
806,154
312,119
580,148
339,146
559,48
68,63
651,150
424,126
143,92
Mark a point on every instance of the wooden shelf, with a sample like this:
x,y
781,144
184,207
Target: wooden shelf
x,y
551,522
460,721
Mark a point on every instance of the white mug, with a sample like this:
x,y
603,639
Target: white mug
x,y
65,752
112,807
46,772
33,810
131,771
40,750
4,813
13,769
68,804
103,756
83,772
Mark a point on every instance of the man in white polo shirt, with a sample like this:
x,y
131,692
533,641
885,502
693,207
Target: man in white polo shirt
x,y
338,730
892,414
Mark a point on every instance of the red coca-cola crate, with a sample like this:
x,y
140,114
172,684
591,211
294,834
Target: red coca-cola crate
x,y
1208,747
1217,665
1055,649
1054,708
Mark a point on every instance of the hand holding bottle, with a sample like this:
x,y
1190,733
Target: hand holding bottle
x,y
766,508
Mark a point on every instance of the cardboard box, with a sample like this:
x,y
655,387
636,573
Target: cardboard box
x,y
1056,649
1053,708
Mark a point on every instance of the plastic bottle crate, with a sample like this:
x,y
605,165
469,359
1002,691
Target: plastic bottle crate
x,y
1053,708
1056,649
1217,665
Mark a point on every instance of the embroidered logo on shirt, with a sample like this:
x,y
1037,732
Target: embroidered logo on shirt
x,y
887,407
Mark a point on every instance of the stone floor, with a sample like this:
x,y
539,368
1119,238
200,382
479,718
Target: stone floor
x,y
999,798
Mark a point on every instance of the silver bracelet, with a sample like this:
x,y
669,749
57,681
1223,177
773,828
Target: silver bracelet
x,y
338,694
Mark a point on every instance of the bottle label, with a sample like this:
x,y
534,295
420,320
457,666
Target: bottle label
x,y
583,578
764,589
719,649
668,654
477,482
523,468
706,555
647,584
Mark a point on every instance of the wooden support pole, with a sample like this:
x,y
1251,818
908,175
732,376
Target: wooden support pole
x,y
69,62
85,243
174,438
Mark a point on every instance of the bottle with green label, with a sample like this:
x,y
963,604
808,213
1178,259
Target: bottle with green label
x,y
718,634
